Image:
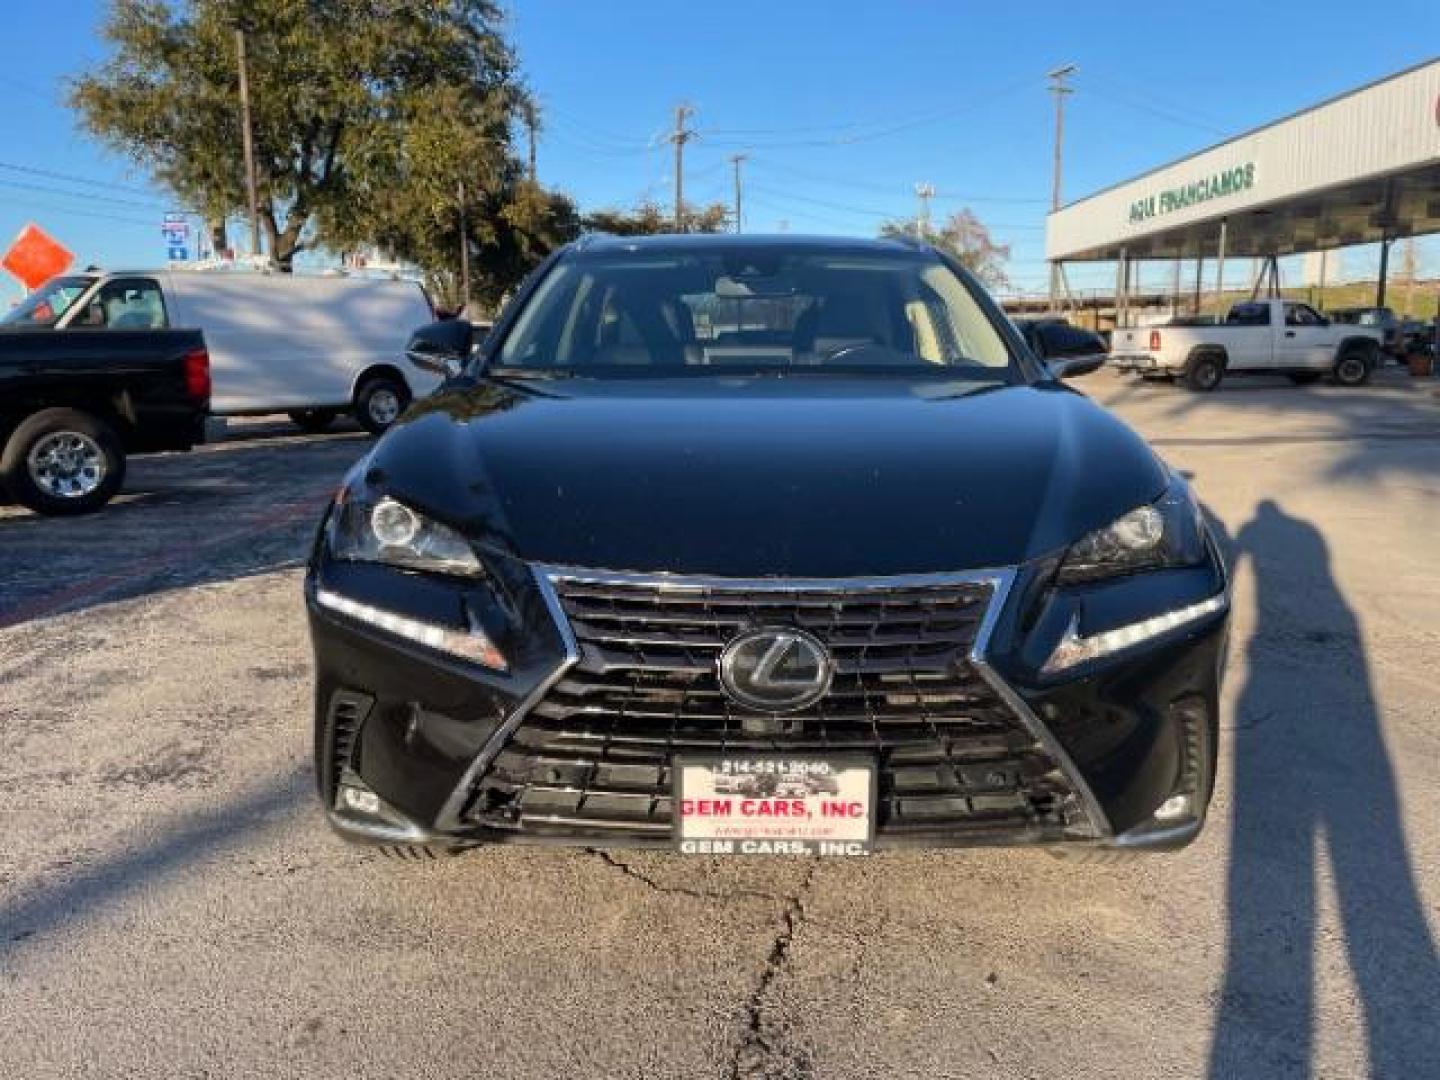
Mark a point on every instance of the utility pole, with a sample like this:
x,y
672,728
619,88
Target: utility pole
x,y
464,252
737,160
924,192
532,125
1059,89
680,137
1408,268
247,141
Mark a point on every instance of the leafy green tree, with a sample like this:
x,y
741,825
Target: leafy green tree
x,y
648,219
367,114
964,236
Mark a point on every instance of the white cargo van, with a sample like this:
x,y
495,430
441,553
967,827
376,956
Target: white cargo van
x,y
313,347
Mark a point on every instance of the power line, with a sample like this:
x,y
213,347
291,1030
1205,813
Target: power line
x,y
887,189
41,205
1156,111
846,207
918,120
595,134
51,174
22,185
870,211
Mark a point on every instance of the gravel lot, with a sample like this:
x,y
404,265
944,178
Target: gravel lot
x,y
172,905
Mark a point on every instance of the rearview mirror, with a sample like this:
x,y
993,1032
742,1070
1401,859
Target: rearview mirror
x,y
442,347
1072,367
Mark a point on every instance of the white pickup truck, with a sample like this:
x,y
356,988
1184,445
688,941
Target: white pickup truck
x,y
1262,337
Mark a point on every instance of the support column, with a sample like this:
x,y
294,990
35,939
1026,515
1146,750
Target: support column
x,y
1199,276
1122,268
1220,264
1384,270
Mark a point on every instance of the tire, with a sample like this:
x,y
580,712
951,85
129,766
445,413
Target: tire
x,y
1354,365
1204,372
1304,378
379,403
314,420
62,461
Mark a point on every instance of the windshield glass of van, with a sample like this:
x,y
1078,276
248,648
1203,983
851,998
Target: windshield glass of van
x,y
756,310
46,304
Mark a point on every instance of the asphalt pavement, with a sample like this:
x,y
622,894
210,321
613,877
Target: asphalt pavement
x,y
172,904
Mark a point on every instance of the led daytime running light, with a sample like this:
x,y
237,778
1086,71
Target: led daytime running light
x,y
1074,649
472,645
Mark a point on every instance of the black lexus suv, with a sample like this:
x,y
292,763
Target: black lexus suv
x,y
753,545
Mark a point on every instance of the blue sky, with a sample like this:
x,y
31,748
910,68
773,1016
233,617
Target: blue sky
x,y
843,106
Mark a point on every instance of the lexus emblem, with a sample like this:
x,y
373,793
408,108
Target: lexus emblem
x,y
776,669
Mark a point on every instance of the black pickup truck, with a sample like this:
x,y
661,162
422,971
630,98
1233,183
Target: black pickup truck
x,y
73,404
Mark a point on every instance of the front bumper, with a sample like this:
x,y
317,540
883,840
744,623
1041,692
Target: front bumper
x,y
405,736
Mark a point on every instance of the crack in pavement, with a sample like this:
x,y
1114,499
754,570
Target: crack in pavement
x,y
683,890
758,1056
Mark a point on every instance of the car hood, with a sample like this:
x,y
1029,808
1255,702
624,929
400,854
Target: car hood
x,y
805,476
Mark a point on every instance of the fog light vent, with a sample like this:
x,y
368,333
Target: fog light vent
x,y
1174,808
359,800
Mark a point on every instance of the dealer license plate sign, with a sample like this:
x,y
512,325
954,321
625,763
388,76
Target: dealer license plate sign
x,y
774,804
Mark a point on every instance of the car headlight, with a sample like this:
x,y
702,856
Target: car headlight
x,y
1167,532
387,531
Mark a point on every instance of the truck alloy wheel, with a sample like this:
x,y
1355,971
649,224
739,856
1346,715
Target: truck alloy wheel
x,y
1204,372
1352,369
63,461
66,464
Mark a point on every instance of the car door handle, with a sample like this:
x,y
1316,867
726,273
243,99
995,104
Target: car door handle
x,y
1289,333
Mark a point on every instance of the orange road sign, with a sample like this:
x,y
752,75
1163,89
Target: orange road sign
x,y
35,257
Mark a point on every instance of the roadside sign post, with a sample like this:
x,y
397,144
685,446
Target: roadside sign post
x,y
35,257
176,230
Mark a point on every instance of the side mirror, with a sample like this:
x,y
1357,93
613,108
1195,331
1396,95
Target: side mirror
x,y
1072,367
442,347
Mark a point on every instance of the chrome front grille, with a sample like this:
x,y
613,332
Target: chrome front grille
x,y
594,753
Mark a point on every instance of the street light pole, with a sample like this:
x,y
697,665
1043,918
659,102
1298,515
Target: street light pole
x,y
1058,88
924,192
736,160
681,136
247,141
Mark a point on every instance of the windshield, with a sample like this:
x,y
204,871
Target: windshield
x,y
46,304
752,310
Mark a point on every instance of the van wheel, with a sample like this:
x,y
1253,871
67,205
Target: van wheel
x,y
1353,366
380,402
314,420
1204,372
63,461
1304,378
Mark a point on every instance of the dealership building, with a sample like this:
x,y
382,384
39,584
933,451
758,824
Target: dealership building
x,y
1361,168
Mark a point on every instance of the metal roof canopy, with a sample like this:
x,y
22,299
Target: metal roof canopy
x,y
1360,168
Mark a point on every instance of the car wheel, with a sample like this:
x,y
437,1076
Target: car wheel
x,y
314,420
1353,366
63,461
379,403
1304,378
1204,372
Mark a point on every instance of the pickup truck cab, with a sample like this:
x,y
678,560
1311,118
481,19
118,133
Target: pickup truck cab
x,y
1260,337
72,405
312,346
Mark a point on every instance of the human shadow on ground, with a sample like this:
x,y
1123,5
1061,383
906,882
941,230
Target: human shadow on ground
x,y
1312,774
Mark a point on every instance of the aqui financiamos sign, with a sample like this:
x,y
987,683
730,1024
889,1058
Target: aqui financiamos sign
x,y
1217,186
